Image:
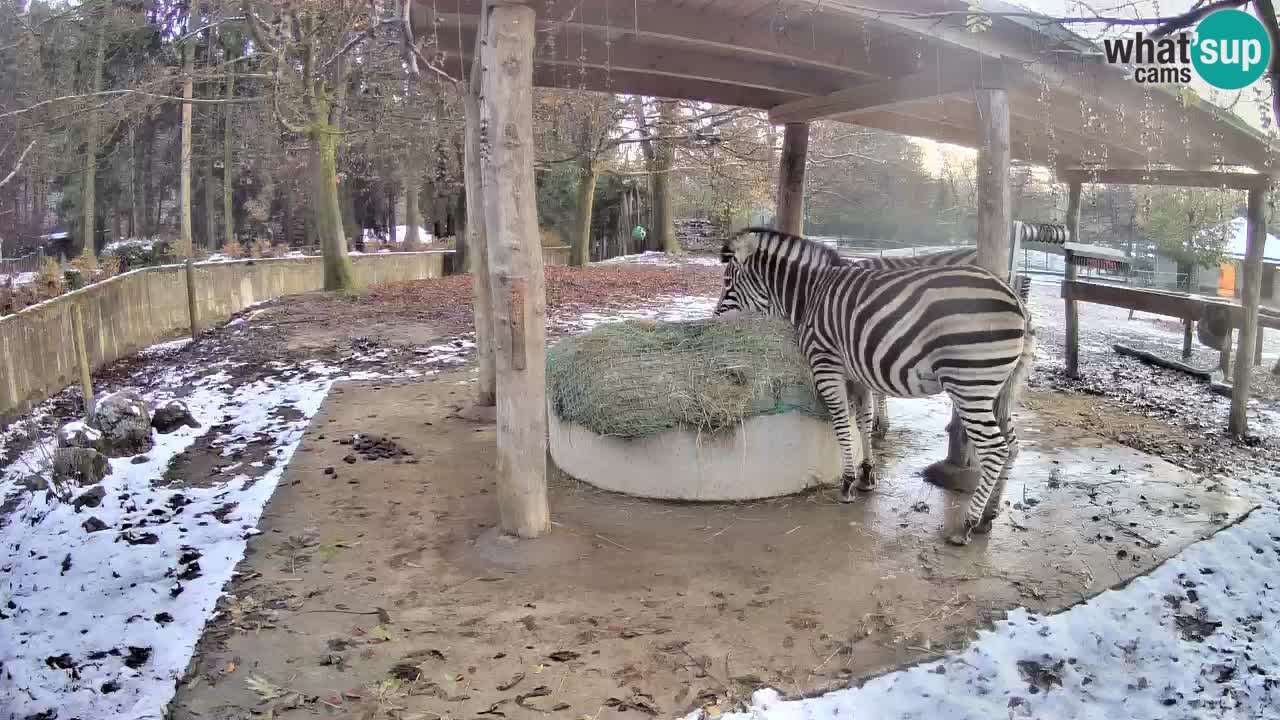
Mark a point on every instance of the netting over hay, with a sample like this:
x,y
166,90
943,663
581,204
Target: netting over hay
x,y
638,378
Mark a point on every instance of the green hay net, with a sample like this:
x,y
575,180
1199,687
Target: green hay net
x,y
638,378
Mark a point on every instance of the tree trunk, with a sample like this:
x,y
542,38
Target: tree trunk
x,y
228,169
88,189
338,271
663,234
391,212
580,255
210,218
412,215
137,205
186,244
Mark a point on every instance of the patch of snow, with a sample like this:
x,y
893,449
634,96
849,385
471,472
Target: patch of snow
x,y
71,429
424,236
655,257
147,583
1198,637
165,347
18,279
114,247
664,309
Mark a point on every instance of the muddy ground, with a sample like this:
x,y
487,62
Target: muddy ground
x,y
381,589
422,327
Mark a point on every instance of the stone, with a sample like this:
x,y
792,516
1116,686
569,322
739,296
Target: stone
x,y
79,466
78,434
170,416
90,499
93,525
125,421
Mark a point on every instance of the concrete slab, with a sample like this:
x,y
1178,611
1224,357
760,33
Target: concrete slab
x,y
632,606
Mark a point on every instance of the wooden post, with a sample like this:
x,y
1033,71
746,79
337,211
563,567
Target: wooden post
x,y
478,258
193,309
1071,272
795,152
515,263
994,210
1186,339
82,359
1238,424
1224,355
995,223
1257,346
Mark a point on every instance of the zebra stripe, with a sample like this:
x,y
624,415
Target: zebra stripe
x,y
907,332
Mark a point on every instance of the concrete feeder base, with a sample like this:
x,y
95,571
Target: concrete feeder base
x,y
766,456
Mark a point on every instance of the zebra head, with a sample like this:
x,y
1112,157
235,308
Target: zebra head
x,y
743,290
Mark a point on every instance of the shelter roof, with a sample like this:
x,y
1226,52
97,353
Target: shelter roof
x,y
907,66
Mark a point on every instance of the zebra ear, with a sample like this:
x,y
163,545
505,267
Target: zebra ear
x,y
744,246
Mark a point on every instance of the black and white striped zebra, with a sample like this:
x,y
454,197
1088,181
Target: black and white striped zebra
x,y
908,332
961,256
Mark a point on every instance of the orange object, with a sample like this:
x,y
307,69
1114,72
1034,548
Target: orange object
x,y
1227,280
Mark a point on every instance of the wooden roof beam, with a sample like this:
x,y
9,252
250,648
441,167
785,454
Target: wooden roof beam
x,y
934,82
631,54
1176,178
802,42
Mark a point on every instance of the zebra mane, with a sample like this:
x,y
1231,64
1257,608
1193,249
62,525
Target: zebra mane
x,y
818,251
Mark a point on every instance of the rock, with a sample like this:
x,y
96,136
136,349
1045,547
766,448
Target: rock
x,y
93,525
79,466
91,499
172,415
78,434
125,422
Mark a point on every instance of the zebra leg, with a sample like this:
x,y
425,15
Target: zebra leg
x,y
829,382
992,508
868,476
992,450
880,426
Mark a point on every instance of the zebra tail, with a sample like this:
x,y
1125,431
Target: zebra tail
x,y
1010,394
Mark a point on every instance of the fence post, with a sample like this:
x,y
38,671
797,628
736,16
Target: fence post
x,y
193,311
82,359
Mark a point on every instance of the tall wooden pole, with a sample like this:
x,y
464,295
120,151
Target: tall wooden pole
x,y
995,221
515,263
481,297
185,240
795,152
1249,297
82,359
1070,273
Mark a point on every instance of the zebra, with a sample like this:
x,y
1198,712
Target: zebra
x,y
961,256
910,332
1042,232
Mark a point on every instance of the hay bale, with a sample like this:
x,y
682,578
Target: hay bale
x,y
639,378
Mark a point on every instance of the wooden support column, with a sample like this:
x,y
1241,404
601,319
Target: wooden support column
x,y
795,152
1238,424
994,210
478,257
1071,272
515,265
959,471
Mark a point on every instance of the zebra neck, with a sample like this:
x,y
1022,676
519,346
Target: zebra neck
x,y
790,284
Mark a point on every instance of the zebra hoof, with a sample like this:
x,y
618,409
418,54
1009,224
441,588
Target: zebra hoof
x,y
846,488
984,527
959,538
868,478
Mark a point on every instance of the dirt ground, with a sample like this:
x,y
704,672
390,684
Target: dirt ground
x,y
379,587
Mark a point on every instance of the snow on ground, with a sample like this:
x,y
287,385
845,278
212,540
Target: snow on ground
x,y
424,235
107,597
17,279
1197,638
654,257
665,309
